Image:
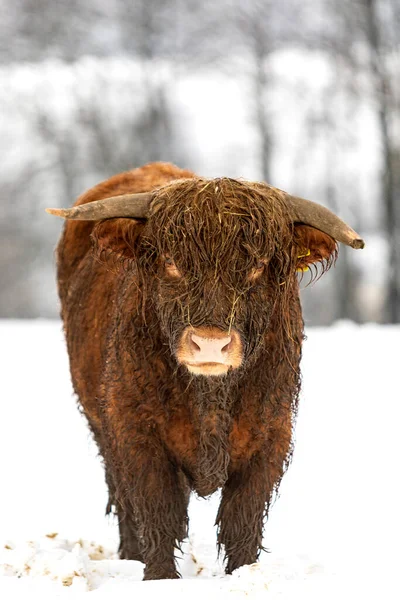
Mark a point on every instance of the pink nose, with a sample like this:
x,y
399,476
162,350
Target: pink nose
x,y
209,349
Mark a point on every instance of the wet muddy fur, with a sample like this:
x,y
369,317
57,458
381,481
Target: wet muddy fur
x,y
161,431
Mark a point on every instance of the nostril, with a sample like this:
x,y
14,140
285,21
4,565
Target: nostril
x,y
227,346
193,346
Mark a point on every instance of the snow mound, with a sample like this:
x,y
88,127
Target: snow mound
x,y
70,563
50,564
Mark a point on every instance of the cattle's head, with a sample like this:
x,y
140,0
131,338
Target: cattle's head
x,y
217,257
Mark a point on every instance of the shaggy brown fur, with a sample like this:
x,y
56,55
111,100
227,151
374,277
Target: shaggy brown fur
x,y
162,431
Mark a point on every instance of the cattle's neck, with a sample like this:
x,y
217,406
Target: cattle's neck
x,y
216,393
212,403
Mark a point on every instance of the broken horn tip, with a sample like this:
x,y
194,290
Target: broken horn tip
x,y
358,243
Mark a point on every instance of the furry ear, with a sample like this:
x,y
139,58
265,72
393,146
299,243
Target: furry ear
x,y
116,240
314,246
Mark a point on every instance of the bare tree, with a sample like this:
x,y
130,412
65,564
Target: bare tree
x,y
363,35
386,104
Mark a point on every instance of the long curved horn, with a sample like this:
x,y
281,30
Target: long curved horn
x,y
126,205
311,213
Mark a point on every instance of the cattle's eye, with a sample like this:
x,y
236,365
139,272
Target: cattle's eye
x,y
257,271
170,267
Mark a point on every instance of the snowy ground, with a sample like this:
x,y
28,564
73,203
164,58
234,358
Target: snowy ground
x,y
333,533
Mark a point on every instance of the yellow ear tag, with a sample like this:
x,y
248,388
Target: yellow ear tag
x,y
308,252
303,269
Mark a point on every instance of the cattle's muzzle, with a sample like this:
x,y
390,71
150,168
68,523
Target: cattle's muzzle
x,y
209,351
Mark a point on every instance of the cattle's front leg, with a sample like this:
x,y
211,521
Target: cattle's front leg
x,y
241,514
245,501
157,498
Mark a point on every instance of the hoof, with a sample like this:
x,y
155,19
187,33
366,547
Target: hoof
x,y
159,573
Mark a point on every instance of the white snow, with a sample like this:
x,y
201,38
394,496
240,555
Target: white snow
x,y
333,533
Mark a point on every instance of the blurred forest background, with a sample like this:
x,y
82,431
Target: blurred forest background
x,y
304,95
